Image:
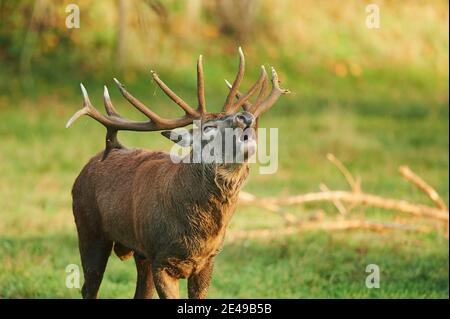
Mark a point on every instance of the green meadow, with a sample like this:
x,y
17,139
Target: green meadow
x,y
376,98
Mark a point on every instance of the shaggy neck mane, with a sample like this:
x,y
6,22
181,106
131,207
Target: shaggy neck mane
x,y
202,182
221,181
210,197
230,178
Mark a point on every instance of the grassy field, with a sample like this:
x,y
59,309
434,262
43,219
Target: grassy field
x,y
373,109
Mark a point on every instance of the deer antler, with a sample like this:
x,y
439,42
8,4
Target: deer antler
x,y
243,99
237,82
114,122
200,87
263,101
261,107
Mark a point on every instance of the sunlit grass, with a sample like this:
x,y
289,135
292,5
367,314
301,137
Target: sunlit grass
x,y
40,159
376,99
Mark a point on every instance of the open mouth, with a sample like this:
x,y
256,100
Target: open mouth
x,y
248,143
247,135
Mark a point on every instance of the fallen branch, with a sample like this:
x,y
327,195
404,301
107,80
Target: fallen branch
x,y
250,198
352,198
337,203
416,180
355,185
356,198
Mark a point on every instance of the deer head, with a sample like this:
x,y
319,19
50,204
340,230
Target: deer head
x,y
211,128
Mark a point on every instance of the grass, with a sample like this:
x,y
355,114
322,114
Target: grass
x,y
40,159
313,265
389,107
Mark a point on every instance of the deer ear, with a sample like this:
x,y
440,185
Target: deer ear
x,y
181,137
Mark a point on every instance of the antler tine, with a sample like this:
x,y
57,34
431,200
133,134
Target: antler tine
x,y
200,87
242,99
246,106
237,81
262,92
138,104
158,121
87,109
109,107
189,110
275,93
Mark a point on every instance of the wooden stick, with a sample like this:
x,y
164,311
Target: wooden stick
x,y
355,185
337,203
357,198
245,197
417,181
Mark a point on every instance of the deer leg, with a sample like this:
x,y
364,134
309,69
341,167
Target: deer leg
x,y
144,285
198,283
94,256
166,285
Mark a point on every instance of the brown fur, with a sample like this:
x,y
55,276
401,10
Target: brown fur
x,y
173,218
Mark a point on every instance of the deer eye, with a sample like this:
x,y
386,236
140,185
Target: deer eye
x,y
208,129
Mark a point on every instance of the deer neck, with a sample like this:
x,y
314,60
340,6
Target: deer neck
x,y
230,179
212,193
223,181
212,187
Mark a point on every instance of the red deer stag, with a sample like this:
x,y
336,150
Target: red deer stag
x,y
171,216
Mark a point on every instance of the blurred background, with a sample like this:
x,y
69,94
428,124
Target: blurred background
x,y
376,98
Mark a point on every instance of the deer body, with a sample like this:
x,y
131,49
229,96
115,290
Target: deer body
x,y
172,216
136,197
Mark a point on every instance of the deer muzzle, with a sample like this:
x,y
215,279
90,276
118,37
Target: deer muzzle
x,y
244,120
